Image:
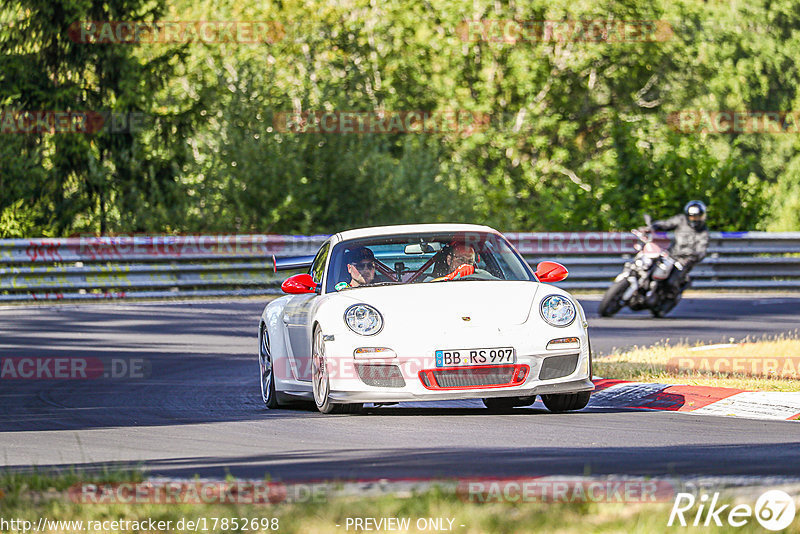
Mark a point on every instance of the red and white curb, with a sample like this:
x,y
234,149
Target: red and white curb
x,y
701,400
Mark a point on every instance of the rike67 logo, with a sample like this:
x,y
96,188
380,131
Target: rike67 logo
x,y
774,510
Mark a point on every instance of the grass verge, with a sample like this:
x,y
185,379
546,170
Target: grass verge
x,y
32,497
762,365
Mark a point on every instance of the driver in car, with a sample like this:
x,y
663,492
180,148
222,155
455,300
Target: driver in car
x,y
460,260
360,262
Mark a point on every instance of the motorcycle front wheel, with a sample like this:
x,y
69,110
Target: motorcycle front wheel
x,y
612,300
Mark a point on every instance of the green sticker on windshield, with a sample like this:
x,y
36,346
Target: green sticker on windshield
x,y
341,285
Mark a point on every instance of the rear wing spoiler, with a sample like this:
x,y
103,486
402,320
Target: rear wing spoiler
x,y
291,263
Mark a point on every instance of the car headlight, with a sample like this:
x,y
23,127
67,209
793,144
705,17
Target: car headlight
x,y
363,319
557,310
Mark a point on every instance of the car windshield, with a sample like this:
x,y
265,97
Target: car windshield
x,y
424,258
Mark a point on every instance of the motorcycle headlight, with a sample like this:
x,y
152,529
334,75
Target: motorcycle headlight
x,y
557,310
363,319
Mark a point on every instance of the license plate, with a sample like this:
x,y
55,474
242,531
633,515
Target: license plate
x,y
461,357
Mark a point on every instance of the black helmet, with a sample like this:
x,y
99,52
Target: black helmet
x,y
695,212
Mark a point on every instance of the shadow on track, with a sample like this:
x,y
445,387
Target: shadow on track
x,y
461,462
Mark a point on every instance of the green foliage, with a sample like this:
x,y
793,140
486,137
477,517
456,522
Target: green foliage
x,y
76,182
579,139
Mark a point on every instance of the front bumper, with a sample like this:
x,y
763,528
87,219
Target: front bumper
x,y
382,395
419,382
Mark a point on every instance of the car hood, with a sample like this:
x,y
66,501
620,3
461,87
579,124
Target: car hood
x,y
482,302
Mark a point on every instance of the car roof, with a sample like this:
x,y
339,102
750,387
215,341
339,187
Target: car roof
x,y
410,229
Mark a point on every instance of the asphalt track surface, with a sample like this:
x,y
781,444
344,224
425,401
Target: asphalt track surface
x,y
198,411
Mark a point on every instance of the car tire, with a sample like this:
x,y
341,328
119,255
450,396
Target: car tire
x,y
612,300
505,404
267,370
566,402
320,381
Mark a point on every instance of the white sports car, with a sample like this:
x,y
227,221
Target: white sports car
x,y
423,312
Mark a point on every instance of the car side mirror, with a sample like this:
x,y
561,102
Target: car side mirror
x,y
299,284
550,271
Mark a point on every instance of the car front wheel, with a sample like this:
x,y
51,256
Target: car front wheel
x,y
566,402
320,379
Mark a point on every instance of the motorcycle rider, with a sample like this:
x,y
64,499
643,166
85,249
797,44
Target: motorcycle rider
x,y
690,241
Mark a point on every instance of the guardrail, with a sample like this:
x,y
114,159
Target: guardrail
x,y
163,266
736,260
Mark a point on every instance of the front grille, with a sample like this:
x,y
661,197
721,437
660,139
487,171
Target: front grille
x,y
558,366
474,377
381,375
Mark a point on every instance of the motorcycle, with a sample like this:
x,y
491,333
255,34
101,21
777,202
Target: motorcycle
x,y
647,281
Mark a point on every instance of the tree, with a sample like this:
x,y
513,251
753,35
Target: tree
x,y
117,178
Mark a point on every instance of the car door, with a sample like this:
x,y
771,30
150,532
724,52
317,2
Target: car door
x,y
297,318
